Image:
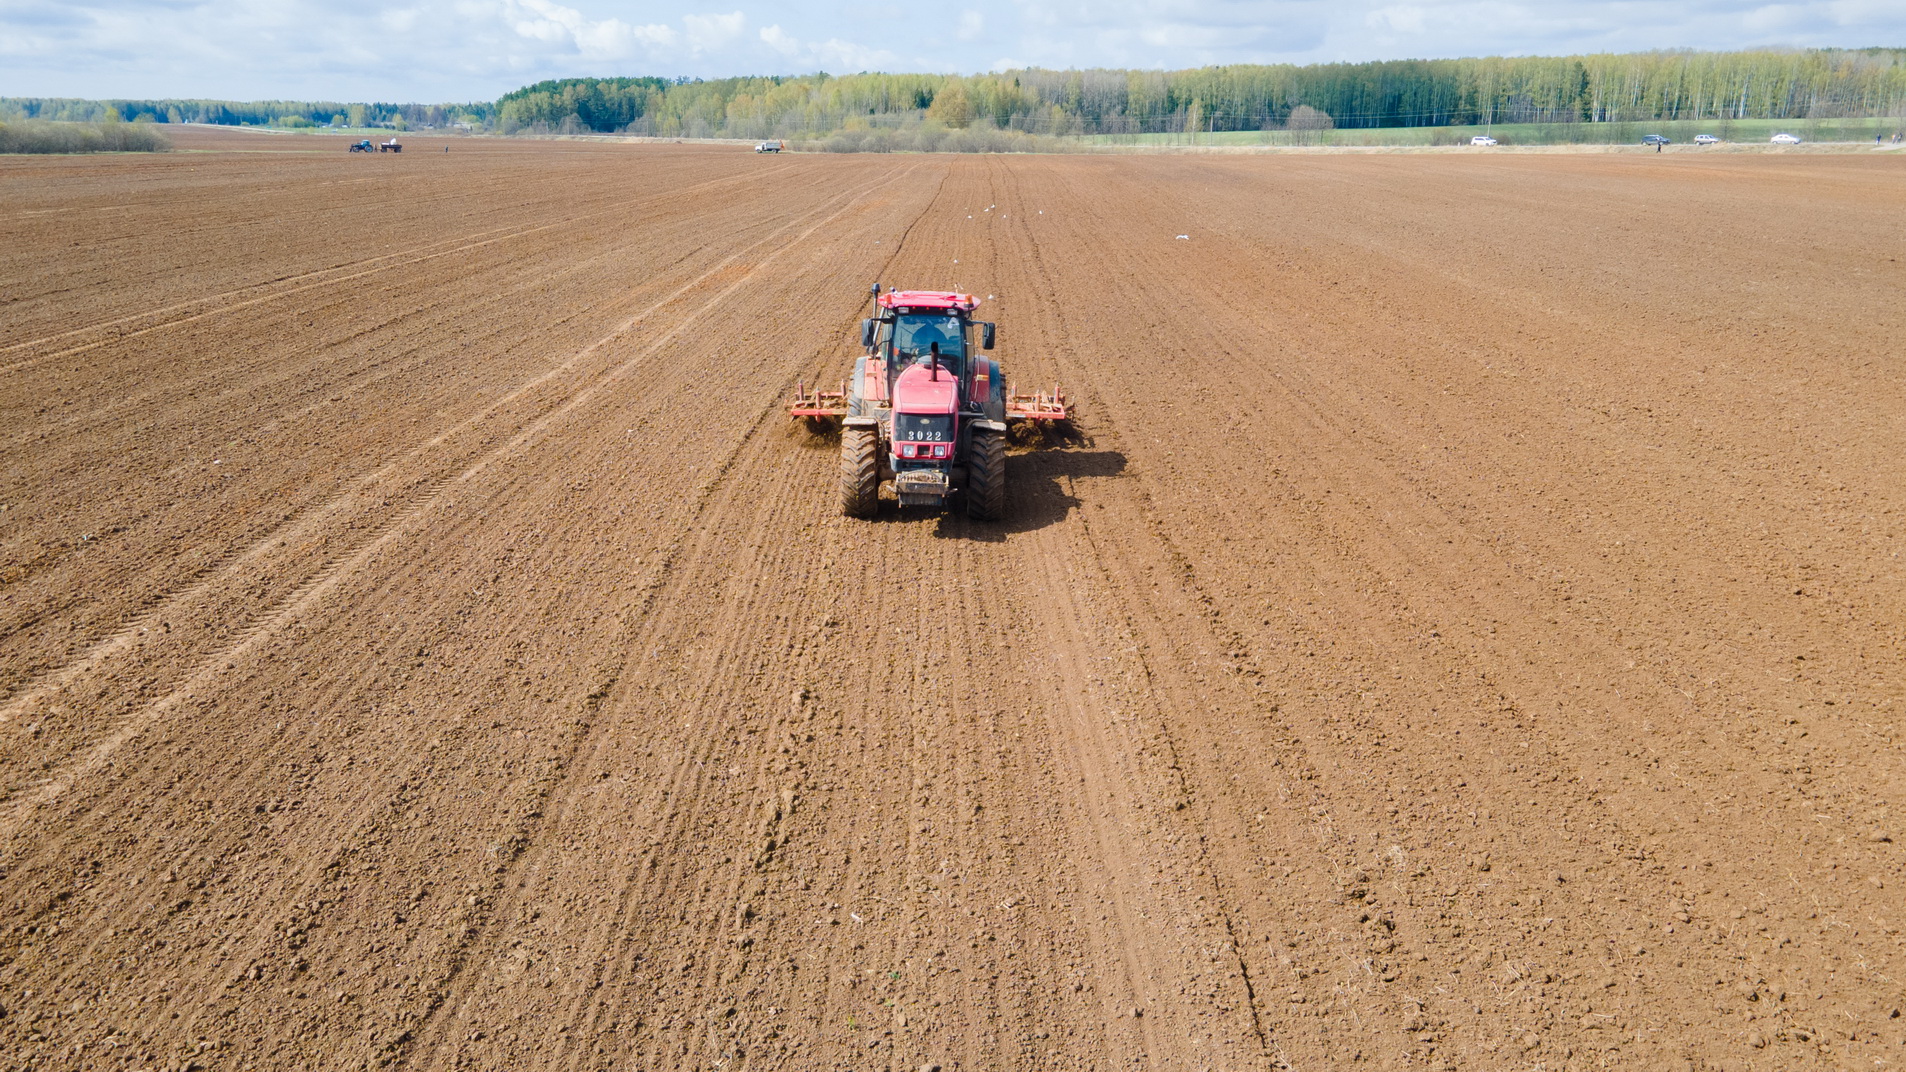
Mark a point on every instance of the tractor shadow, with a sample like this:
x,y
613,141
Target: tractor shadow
x,y
1037,495
1042,465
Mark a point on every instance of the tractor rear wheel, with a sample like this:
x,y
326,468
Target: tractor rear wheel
x,y
859,472
986,477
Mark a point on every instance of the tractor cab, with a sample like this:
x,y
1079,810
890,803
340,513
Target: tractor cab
x,y
916,325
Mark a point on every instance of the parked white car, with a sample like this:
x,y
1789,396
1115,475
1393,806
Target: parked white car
x,y
1706,139
1482,139
1785,139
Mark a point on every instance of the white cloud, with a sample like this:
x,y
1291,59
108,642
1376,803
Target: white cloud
x,y
972,25
706,33
779,41
542,21
833,54
604,39
613,39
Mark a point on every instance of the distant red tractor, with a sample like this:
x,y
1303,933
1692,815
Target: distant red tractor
x,y
925,413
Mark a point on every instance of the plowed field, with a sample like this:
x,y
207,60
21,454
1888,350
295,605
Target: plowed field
x,y
1470,633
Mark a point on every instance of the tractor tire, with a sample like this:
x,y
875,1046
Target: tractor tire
x,y
859,472
986,477
857,393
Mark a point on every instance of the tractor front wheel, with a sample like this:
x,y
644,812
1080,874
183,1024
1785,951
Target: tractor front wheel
x,y
859,472
986,477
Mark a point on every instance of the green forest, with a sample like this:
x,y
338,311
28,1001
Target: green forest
x,y
1669,86
288,115
1820,84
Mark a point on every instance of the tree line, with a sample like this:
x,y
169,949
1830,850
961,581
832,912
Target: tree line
x,y
1596,88
1767,84
110,136
284,114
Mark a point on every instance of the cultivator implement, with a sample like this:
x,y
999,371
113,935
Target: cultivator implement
x,y
818,405
1038,406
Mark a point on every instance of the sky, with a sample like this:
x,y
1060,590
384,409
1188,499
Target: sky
x,y
437,51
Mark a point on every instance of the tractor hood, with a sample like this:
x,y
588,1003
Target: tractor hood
x,y
917,391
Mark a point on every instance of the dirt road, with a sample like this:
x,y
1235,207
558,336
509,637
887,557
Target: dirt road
x,y
1472,634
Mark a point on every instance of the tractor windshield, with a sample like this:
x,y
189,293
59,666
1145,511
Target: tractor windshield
x,y
915,333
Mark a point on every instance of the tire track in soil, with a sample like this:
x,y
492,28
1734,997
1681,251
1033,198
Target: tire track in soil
x,y
1112,783
115,525
1111,818
411,257
1089,723
660,870
1236,656
1422,540
1142,958
1202,630
136,401
524,837
1336,455
717,1040
526,844
718,928
325,577
298,218
303,527
834,578
17,806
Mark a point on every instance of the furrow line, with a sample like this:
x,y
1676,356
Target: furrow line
x,y
667,569
92,759
1097,559
305,525
412,258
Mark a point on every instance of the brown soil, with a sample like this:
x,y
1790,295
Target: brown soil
x,y
1469,635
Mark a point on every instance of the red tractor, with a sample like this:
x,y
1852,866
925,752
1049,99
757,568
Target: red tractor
x,y
925,412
